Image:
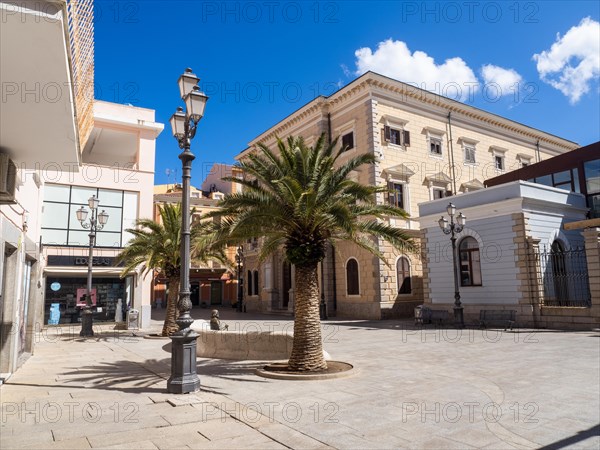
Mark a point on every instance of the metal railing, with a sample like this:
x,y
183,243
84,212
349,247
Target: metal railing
x,y
563,277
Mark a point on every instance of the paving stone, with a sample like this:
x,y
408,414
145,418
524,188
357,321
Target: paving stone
x,y
190,399
290,437
142,445
70,444
398,366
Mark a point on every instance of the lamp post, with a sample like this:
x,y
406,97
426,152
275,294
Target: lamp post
x,y
239,257
453,228
183,354
95,224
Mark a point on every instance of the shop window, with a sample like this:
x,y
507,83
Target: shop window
x,y
61,227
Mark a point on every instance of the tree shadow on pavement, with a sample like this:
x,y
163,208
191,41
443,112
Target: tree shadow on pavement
x,y
231,369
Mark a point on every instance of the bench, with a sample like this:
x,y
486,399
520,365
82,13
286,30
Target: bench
x,y
428,315
506,318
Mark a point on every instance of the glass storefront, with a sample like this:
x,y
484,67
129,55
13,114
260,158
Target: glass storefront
x,y
62,292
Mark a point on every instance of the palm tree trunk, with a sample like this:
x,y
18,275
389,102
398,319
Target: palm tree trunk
x,y
307,349
170,326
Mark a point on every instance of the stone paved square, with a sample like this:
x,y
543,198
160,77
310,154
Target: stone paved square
x,y
414,388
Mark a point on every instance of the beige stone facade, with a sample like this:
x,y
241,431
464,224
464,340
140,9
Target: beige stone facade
x,y
427,147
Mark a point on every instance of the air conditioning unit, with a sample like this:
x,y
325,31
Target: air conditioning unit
x,y
8,179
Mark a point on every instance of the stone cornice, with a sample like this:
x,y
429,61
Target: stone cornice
x,y
417,98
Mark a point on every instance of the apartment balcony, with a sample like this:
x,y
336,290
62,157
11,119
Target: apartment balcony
x,y
47,75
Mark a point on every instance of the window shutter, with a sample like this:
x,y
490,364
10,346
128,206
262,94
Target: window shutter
x,y
387,133
391,193
406,138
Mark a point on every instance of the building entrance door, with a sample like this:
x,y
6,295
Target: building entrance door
x,y
216,292
195,294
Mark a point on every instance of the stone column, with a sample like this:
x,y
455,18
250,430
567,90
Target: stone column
x,y
592,252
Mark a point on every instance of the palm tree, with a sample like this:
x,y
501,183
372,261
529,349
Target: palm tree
x,y
300,199
156,246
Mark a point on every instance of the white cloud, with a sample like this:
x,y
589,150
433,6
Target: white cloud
x,y
454,78
573,61
505,81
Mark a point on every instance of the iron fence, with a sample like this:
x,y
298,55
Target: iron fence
x,y
563,277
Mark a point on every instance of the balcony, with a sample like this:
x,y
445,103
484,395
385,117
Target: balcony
x,y
47,80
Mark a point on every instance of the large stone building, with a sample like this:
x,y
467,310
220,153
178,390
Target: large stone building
x,y
428,147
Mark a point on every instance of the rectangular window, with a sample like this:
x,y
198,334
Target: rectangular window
x,y
348,141
470,155
499,162
59,219
396,195
435,146
438,193
592,176
396,136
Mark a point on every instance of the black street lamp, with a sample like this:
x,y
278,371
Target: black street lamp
x,y
95,224
184,378
239,258
453,228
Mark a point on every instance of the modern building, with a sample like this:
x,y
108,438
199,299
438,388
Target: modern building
x,y
118,169
46,119
428,147
576,171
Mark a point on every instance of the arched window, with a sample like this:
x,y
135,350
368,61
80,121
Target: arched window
x,y
403,275
470,265
249,283
352,285
256,282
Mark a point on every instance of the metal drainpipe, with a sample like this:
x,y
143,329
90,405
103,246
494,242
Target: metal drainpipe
x,y
537,152
452,153
334,277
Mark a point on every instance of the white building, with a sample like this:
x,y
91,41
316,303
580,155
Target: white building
x,y
46,72
118,168
516,252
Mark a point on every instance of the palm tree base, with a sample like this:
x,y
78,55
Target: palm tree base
x,y
282,371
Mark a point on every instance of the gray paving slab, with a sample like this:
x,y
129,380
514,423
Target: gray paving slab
x,y
412,387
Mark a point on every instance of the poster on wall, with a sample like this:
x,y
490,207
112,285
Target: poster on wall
x,y
81,294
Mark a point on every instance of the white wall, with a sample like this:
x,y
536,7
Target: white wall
x,y
498,268
490,220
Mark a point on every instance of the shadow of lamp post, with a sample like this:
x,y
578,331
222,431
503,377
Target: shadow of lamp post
x,y
95,224
453,228
184,378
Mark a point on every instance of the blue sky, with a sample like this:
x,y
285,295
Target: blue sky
x,y
260,61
